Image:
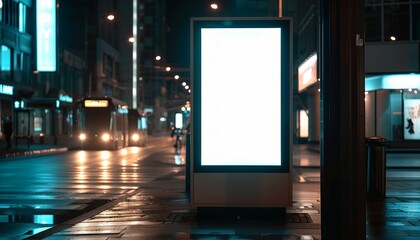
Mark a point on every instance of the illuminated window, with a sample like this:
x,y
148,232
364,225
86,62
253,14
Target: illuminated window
x,y
5,60
22,17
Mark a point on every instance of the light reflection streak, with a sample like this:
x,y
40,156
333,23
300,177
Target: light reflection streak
x,y
135,150
304,161
82,156
124,151
104,175
178,160
81,176
105,164
104,187
124,177
105,155
81,167
80,172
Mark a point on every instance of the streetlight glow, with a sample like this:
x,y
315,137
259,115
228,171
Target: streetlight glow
x,y
110,17
158,58
168,69
214,6
176,77
131,39
184,84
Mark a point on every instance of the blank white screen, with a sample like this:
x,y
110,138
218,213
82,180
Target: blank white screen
x,y
240,96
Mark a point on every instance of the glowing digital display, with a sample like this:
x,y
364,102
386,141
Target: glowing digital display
x,y
178,120
412,119
241,96
6,89
46,35
96,103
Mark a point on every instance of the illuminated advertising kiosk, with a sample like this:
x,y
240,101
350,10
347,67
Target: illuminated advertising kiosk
x,y
241,112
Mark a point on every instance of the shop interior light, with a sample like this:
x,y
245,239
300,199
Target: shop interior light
x,y
392,81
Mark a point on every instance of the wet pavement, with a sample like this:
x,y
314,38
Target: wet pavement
x,y
160,209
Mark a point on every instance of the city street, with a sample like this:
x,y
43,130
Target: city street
x,y
139,193
39,191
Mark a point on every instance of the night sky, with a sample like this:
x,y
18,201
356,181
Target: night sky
x,y
178,15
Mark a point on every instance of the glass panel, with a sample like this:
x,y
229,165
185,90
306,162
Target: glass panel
x,y
396,115
370,114
396,22
22,17
411,115
416,20
373,23
383,114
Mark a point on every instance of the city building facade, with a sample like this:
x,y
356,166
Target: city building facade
x,y
53,53
392,67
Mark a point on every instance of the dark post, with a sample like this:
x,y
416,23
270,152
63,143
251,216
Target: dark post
x,y
187,163
343,166
376,167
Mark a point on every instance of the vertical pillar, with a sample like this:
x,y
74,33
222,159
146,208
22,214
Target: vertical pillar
x,y
343,176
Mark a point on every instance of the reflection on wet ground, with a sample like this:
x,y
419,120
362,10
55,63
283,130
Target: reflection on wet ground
x,y
160,209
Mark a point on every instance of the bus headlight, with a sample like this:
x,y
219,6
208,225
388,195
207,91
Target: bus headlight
x,y
82,136
135,137
106,137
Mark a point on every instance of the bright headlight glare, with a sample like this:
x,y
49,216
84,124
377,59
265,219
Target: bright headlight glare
x,y
82,136
135,137
105,137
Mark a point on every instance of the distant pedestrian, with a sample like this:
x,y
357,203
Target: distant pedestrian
x,y
7,131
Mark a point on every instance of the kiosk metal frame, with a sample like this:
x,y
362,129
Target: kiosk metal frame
x,y
256,184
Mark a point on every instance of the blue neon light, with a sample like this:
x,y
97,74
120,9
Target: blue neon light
x,y
393,81
6,89
46,35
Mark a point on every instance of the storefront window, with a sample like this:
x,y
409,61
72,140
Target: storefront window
x,y
37,121
411,115
396,22
384,114
396,115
